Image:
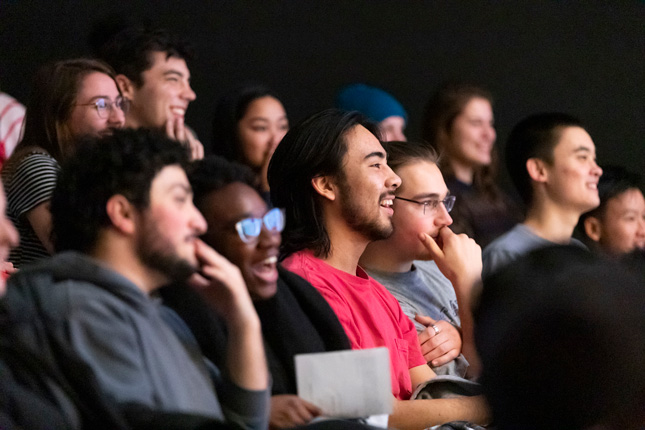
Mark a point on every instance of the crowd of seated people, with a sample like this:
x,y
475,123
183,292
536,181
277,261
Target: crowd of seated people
x,y
145,285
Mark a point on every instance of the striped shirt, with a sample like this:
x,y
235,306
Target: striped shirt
x,y
28,184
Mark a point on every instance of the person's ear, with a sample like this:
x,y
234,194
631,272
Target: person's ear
x,y
593,228
126,86
537,169
325,186
122,214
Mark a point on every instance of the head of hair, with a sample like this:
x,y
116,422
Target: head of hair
x,y
374,103
615,180
214,173
534,137
230,109
401,153
49,109
130,51
124,163
552,330
440,112
314,147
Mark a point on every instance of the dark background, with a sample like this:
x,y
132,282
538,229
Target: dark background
x,y
586,58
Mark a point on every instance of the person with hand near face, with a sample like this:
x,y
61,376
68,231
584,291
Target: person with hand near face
x,y
458,122
70,99
432,284
248,125
552,162
153,74
617,226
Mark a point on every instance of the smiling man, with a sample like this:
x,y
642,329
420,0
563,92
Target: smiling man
x,y
125,224
438,304
154,77
331,175
552,162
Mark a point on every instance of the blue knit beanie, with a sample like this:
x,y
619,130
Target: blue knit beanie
x,y
372,102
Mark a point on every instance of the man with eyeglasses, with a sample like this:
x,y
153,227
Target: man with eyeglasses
x,y
438,304
331,175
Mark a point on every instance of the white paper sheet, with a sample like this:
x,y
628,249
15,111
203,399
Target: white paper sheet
x,y
346,384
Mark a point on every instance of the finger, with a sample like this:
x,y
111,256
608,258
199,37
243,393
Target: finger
x,y
170,128
423,319
431,245
180,130
445,358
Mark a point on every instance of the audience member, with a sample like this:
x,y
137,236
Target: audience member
x,y
69,99
154,77
377,105
561,337
12,113
552,162
295,318
427,297
331,176
249,123
125,224
458,122
617,226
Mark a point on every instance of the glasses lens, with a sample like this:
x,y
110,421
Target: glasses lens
x,y
274,220
249,228
449,202
122,104
102,107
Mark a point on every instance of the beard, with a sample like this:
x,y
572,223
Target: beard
x,y
356,216
156,252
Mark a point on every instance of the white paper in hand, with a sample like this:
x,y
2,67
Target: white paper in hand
x,y
346,384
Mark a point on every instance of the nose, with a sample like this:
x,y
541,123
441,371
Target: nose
x,y
188,93
596,169
116,118
269,238
198,222
393,180
443,218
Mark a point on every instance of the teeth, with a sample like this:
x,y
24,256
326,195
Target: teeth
x,y
271,260
178,111
386,202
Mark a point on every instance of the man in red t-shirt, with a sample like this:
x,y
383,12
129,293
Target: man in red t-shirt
x,y
331,175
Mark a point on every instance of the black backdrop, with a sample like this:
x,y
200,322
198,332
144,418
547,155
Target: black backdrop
x,y
586,58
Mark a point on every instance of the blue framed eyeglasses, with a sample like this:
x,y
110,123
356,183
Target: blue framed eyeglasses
x,y
250,228
448,202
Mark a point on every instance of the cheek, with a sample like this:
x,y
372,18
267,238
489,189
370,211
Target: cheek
x,y
253,147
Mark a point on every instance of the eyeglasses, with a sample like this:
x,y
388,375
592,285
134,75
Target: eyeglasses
x,y
250,228
104,106
448,203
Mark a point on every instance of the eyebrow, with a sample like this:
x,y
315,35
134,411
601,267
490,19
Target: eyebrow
x,y
174,72
183,187
378,154
430,196
582,149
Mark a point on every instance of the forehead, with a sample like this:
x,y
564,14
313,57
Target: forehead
x,y
420,178
573,139
631,199
232,203
160,63
168,178
477,105
263,106
361,143
97,83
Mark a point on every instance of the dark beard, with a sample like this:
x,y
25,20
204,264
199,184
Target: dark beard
x,y
358,221
155,253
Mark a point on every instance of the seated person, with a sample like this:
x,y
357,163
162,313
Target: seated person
x,y
377,105
123,213
331,176
426,296
70,99
561,336
552,162
295,318
617,226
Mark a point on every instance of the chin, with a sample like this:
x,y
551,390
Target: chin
x,y
263,291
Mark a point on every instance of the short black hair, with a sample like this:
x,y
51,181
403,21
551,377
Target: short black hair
x,y
534,137
126,163
314,147
561,337
401,153
130,51
213,173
